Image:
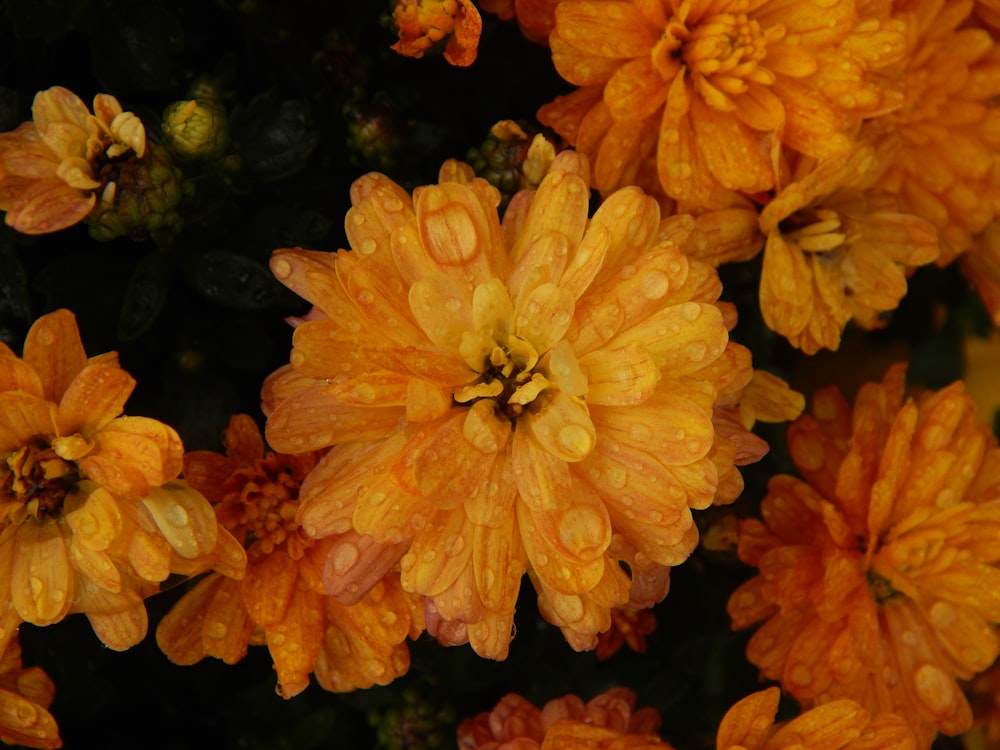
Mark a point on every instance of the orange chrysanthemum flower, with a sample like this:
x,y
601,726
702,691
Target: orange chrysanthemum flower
x,y
552,395
839,725
714,90
280,601
92,516
837,250
422,24
51,168
607,722
25,697
878,578
948,170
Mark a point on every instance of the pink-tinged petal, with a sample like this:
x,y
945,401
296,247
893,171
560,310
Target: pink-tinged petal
x,y
24,418
17,375
624,376
93,399
440,553
49,206
579,66
41,579
54,350
459,603
543,481
607,29
26,157
356,563
317,418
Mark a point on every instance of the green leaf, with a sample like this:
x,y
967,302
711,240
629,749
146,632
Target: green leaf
x,y
233,280
145,295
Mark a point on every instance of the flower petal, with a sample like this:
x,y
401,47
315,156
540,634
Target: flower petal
x,y
41,579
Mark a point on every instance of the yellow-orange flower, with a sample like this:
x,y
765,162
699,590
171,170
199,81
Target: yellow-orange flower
x,y
552,395
839,725
878,578
714,90
422,24
948,170
280,601
837,250
51,168
92,516
25,697
608,721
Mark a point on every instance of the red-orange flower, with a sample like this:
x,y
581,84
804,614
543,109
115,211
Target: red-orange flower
x,y
551,395
948,171
629,625
25,697
50,168
280,601
878,570
422,24
608,721
839,725
92,516
713,91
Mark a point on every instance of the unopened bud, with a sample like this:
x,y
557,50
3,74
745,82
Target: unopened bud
x,y
196,129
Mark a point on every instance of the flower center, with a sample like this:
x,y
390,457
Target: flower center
x,y
817,230
507,377
722,52
261,502
36,479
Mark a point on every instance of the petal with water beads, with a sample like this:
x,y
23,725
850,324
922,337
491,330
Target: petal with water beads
x,y
499,562
267,588
227,627
357,562
95,397
96,522
749,721
438,554
41,579
618,30
682,338
118,619
18,375
542,479
442,307
823,727
454,230
24,418
184,517
624,376
562,425
296,640
966,635
674,430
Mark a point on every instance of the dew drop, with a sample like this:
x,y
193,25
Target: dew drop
x,y
216,630
670,135
576,440
653,284
801,675
281,268
696,351
176,516
277,639
617,477
935,689
365,297
376,498
344,556
691,311
489,578
367,246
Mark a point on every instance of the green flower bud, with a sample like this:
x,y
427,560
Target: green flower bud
x,y
140,197
512,157
374,134
196,129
